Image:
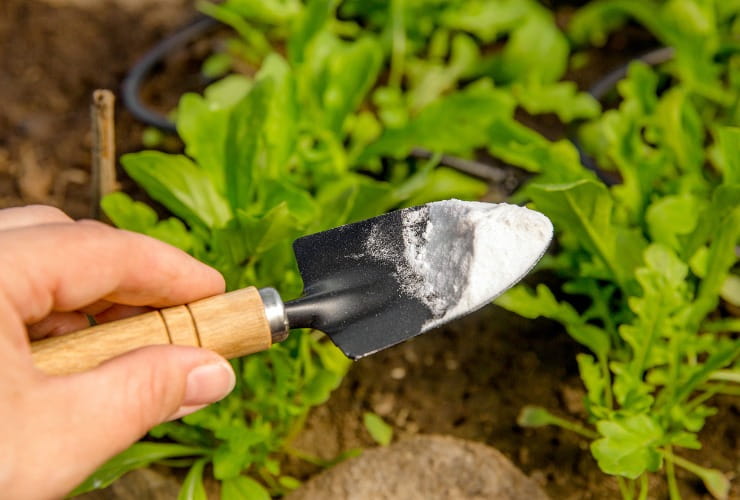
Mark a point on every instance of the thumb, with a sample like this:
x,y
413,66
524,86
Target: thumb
x,y
101,412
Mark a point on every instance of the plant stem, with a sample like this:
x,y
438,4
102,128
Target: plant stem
x,y
691,405
306,457
730,390
670,473
572,426
643,486
604,363
726,376
398,51
625,489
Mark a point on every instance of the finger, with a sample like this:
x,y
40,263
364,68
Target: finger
x,y
31,215
66,267
108,408
97,307
58,323
120,311
61,323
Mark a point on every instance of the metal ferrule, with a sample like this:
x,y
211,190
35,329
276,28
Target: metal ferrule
x,y
275,312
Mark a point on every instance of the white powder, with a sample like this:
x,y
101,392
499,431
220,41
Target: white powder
x,y
458,256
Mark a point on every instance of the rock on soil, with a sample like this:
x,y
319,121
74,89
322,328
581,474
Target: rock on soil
x,y
423,468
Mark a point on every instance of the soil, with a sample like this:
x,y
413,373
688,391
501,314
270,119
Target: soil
x,y
469,380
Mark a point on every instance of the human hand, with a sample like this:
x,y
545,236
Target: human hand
x,y
55,431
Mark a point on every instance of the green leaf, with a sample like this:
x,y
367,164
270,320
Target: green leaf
x,y
628,447
280,128
243,488
584,209
445,183
534,416
453,125
127,213
543,303
226,92
729,142
672,217
720,259
595,381
216,65
137,456
488,20
180,185
350,74
536,51
519,145
192,487
244,153
381,432
715,481
561,98
310,22
289,483
352,198
682,131
430,79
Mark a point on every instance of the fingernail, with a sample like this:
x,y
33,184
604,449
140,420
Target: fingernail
x,y
208,383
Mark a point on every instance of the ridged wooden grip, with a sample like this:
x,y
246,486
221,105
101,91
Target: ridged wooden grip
x,y
233,324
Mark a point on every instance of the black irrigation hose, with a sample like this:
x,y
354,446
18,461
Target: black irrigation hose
x,y
142,69
137,75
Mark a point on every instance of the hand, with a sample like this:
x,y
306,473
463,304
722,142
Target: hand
x,y
55,431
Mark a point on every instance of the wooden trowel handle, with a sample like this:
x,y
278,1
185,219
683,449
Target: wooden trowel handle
x,y
232,324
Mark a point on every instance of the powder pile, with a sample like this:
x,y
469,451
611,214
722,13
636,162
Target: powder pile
x,y
458,256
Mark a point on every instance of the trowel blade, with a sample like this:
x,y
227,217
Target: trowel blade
x,y
375,283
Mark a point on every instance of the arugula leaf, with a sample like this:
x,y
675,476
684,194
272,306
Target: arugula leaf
x,y
310,22
561,98
138,455
729,142
180,185
521,146
543,303
585,208
242,487
244,147
455,124
380,431
628,446
192,487
536,51
349,75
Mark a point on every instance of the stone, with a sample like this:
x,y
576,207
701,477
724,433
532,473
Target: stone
x,y
426,467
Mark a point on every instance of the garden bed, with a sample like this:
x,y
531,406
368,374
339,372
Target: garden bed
x,y
468,380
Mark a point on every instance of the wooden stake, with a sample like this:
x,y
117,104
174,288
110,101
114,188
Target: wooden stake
x,y
103,149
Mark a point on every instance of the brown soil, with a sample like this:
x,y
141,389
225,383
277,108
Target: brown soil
x,y
469,380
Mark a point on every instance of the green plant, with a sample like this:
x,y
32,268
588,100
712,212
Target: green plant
x,y
267,159
654,255
338,94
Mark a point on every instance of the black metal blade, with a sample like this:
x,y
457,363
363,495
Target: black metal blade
x,y
378,282
350,294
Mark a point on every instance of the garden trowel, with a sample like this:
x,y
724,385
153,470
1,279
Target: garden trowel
x,y
367,285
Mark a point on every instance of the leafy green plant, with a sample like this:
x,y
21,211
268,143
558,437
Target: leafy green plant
x,y
381,432
654,255
318,132
267,158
